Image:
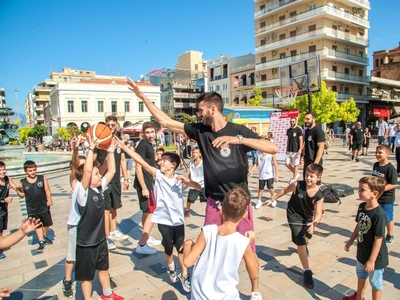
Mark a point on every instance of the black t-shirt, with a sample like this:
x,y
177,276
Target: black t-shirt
x,y
358,135
293,135
91,230
390,174
311,138
146,151
4,193
371,224
35,195
101,157
224,168
301,206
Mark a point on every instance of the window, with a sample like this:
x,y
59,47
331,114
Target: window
x,y
217,88
293,33
376,63
263,77
84,106
312,30
334,68
264,94
262,24
346,90
263,42
282,55
113,106
140,108
282,19
100,106
360,91
347,50
391,60
292,15
224,88
346,70
127,107
311,7
312,49
70,106
196,66
334,88
334,48
360,73
293,53
282,36
263,59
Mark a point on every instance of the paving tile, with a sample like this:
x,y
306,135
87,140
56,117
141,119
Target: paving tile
x,y
192,226
40,264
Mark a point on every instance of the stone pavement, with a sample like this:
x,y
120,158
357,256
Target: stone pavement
x,y
39,276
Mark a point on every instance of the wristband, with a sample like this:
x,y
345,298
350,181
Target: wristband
x,y
90,149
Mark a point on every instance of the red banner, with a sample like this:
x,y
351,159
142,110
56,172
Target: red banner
x,y
379,112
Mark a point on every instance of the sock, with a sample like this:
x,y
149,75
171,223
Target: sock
x,y
171,267
107,292
258,200
42,241
308,269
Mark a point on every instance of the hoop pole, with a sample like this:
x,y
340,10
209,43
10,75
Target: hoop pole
x,y
309,102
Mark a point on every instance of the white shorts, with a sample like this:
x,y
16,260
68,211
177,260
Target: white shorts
x,y
292,158
71,252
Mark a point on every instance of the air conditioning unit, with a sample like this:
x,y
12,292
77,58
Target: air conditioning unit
x,y
274,71
266,38
298,28
353,67
395,97
360,10
340,26
355,9
274,36
273,53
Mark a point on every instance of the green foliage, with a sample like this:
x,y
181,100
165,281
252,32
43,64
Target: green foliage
x,y
348,111
56,136
73,130
17,121
14,142
324,105
38,131
258,98
186,118
24,133
64,134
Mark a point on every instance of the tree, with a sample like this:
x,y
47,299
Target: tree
x,y
24,133
73,130
258,98
324,105
38,131
64,133
348,111
184,117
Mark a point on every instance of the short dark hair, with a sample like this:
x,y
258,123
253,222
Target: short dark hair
x,y
2,164
311,113
160,150
211,98
29,164
79,172
148,124
111,118
315,169
235,203
375,183
384,147
173,158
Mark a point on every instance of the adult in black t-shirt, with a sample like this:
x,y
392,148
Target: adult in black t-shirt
x,y
356,140
294,146
314,141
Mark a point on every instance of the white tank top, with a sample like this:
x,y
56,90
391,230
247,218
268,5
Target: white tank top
x,y
197,173
74,215
265,167
215,275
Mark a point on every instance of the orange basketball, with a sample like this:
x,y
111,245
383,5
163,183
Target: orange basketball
x,y
101,135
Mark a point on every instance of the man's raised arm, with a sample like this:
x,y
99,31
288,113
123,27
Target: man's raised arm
x,y
158,114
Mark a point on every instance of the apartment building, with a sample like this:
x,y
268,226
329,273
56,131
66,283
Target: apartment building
x,y
287,31
219,79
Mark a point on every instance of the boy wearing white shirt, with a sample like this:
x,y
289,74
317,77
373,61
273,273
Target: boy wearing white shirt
x,y
169,208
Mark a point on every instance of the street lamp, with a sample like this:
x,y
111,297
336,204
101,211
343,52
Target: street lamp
x,y
16,100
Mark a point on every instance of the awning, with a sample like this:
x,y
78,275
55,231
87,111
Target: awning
x,y
243,76
244,98
252,97
251,75
396,90
236,99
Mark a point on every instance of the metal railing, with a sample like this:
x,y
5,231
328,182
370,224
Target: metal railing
x,y
328,74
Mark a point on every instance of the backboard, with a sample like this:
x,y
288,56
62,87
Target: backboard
x,y
303,74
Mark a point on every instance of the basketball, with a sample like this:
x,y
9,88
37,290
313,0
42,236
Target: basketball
x,y
101,135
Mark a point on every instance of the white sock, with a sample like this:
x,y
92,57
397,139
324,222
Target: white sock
x,y
171,266
258,200
308,269
107,292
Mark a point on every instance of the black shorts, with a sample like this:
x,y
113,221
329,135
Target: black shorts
x,y
147,205
269,182
356,146
44,217
112,196
193,194
90,259
298,229
172,236
366,145
3,220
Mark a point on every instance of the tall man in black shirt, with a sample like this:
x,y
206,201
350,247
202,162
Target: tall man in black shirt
x,y
294,145
356,140
314,140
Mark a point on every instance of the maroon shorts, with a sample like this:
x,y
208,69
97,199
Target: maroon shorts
x,y
214,217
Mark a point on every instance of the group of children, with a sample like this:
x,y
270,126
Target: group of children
x,y
87,242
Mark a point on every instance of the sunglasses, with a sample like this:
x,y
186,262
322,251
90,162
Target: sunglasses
x,y
111,125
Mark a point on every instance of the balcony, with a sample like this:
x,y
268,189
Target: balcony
x,y
186,95
363,3
39,108
119,115
272,7
323,53
248,67
344,77
326,9
42,88
312,35
184,105
39,99
342,96
268,83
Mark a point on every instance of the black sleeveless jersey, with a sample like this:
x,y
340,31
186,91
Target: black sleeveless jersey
x,y
35,195
91,229
4,193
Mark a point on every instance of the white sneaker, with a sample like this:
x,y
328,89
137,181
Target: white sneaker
x,y
259,204
145,249
110,244
255,296
153,242
273,204
118,236
295,179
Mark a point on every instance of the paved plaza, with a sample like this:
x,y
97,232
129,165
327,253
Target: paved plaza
x,y
39,276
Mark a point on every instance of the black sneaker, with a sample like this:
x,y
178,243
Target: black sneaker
x,y
42,246
357,160
389,239
352,157
113,285
48,241
67,288
308,281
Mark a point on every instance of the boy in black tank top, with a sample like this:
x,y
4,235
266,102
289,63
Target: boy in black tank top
x,y
5,199
300,214
36,191
91,249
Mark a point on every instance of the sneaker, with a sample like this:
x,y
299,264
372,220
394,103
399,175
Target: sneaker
x,y
67,288
357,160
352,157
308,281
110,244
255,296
352,297
187,214
42,246
48,241
145,249
259,204
113,285
118,236
113,296
389,239
173,276
185,282
274,203
2,255
153,242
130,180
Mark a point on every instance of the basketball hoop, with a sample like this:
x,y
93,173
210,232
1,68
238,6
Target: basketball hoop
x,y
287,94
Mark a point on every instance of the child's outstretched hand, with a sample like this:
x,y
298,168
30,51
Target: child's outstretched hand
x,y
30,224
5,292
114,144
119,143
251,235
74,142
91,142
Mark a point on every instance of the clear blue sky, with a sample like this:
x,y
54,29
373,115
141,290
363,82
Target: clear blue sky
x,y
131,37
